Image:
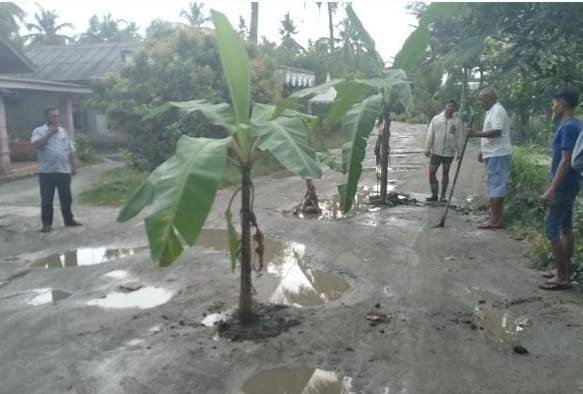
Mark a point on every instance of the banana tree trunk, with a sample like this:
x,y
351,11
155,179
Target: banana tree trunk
x,y
245,295
385,152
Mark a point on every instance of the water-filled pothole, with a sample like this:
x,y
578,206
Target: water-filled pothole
x,y
144,298
300,380
499,325
214,319
47,296
86,256
331,209
290,280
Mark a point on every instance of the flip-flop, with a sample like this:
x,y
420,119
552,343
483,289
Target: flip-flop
x,y
547,274
554,286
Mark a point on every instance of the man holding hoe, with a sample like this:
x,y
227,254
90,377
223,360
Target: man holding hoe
x,y
444,140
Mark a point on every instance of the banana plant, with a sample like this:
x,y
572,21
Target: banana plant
x,y
181,191
357,105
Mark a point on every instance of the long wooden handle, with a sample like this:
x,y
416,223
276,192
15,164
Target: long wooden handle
x,y
459,165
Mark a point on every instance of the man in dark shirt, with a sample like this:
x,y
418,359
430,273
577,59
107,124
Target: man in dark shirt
x,y
560,195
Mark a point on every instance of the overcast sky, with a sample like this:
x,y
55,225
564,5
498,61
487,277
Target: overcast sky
x,y
387,21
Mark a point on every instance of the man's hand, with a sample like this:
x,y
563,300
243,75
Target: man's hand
x,y
73,170
53,130
427,153
459,157
547,197
480,157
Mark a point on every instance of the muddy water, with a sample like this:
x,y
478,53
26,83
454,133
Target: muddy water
x,y
144,298
332,208
290,279
300,380
47,296
499,325
86,256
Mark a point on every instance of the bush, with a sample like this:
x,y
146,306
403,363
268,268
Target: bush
x,y
85,150
114,188
529,178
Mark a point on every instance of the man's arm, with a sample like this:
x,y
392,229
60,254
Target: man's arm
x,y
429,139
42,141
562,169
73,163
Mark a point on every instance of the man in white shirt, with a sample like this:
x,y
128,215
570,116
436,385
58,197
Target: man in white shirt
x,y
56,157
443,142
496,153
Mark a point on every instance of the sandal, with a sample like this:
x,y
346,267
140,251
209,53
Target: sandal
x,y
548,274
554,286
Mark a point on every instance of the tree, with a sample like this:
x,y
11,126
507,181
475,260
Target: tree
x,y
46,31
358,104
332,6
288,28
107,29
182,189
10,15
243,30
194,14
254,22
177,62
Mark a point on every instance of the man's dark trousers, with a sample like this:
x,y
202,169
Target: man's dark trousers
x,y
48,183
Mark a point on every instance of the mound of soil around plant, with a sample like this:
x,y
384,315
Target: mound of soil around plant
x,y
270,321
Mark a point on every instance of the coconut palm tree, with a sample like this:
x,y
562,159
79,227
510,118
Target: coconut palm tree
x,y
254,22
194,14
45,30
10,15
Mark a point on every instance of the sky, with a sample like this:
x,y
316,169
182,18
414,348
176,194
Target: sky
x,y
387,21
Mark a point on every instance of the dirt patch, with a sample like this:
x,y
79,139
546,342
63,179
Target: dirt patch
x,y
270,321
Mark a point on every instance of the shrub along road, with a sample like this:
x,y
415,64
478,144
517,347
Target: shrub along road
x,y
449,310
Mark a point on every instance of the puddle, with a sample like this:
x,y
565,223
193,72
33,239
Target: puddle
x,y
47,296
300,380
144,298
332,208
289,278
500,325
214,319
117,274
86,256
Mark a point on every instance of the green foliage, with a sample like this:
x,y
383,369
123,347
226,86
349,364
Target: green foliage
x,y
181,63
114,188
182,189
85,150
107,29
357,125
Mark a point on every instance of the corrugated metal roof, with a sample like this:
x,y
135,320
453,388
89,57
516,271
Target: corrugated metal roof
x,y
11,60
80,63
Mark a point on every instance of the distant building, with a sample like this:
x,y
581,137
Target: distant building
x,y
24,97
81,64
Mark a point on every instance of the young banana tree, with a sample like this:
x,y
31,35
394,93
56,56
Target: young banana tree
x,y
182,189
357,104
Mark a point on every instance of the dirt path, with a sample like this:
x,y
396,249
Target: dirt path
x,y
457,300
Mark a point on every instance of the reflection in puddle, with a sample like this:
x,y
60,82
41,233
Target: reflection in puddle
x,y
86,256
499,325
298,285
47,296
214,319
117,274
144,298
301,380
291,281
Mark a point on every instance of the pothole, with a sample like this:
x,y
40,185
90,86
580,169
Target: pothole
x,y
301,380
144,298
47,296
500,326
214,319
289,280
86,256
